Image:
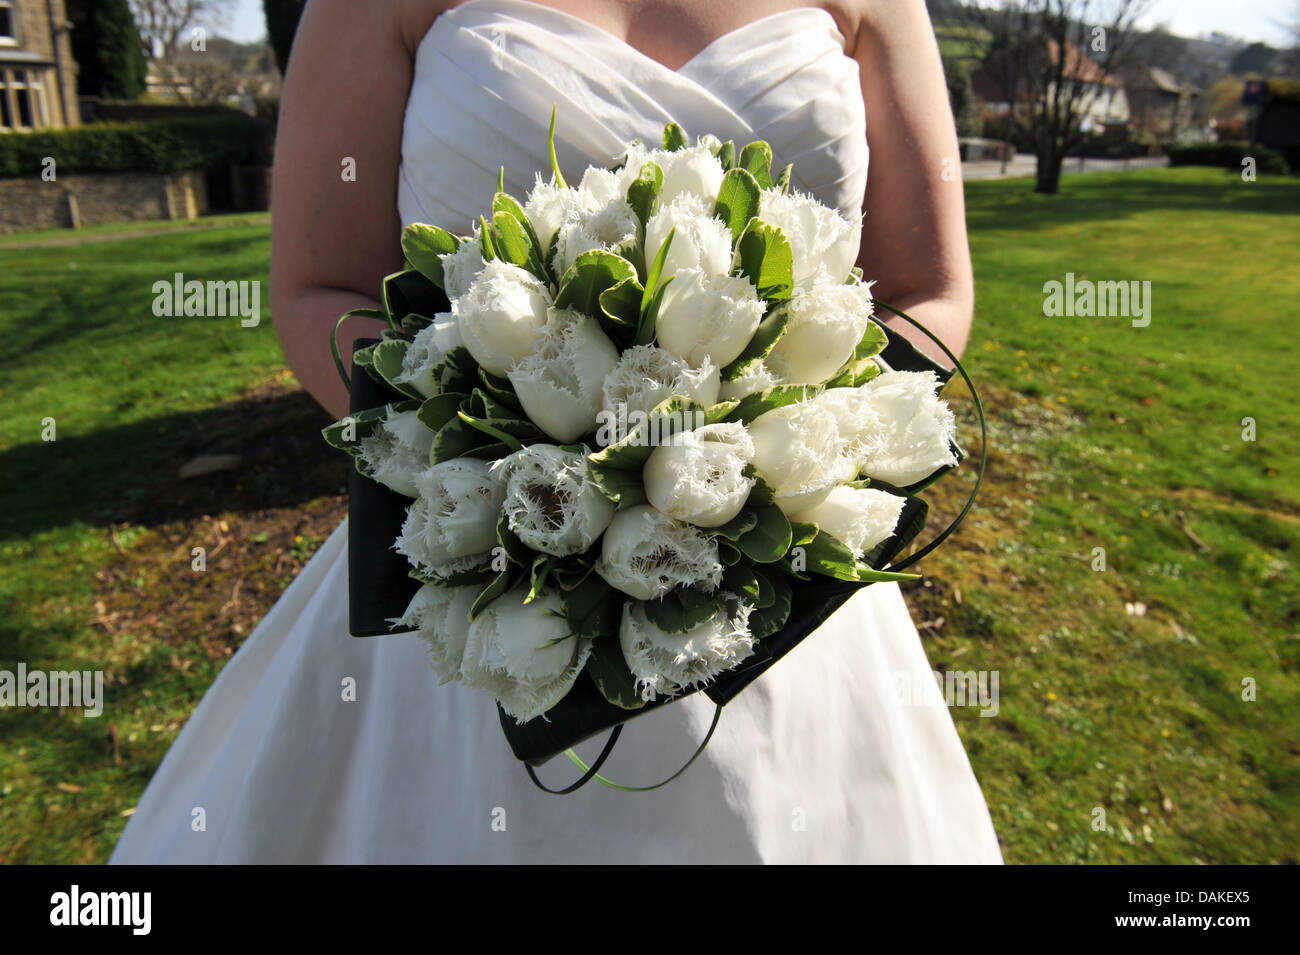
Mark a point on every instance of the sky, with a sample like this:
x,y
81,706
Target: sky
x,y
1249,19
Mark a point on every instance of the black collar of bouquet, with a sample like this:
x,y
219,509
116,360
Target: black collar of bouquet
x,y
380,586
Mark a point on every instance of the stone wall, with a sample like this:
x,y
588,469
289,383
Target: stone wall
x,y
97,198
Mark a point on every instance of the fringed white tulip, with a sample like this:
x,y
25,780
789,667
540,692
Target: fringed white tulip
x,y
606,226
666,663
502,315
700,242
549,206
429,347
694,171
397,450
919,427
525,655
799,452
459,268
826,322
860,518
559,382
440,616
756,377
645,554
707,317
452,525
551,502
699,476
646,375
821,239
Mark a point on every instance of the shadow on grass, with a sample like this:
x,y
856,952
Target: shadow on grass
x,y
1013,205
130,474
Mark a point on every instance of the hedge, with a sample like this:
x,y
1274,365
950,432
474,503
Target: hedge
x,y
158,146
1227,156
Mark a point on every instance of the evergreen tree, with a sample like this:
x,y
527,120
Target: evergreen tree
x,y
107,47
281,23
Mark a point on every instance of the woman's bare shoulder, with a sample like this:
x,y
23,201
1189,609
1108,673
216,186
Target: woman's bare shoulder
x,y
416,16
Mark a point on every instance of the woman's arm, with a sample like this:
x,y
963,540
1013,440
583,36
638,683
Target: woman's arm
x,y
914,226
333,240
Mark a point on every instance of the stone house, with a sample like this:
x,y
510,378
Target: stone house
x,y
38,76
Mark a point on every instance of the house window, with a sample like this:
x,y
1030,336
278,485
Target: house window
x,y
8,23
22,100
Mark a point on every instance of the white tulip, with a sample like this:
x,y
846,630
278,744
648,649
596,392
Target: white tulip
x,y
459,268
397,450
666,663
918,428
429,347
646,553
700,242
861,428
551,502
549,206
799,452
606,226
826,322
525,655
452,525
707,317
646,375
820,238
502,315
559,382
440,616
694,171
860,518
699,476
756,377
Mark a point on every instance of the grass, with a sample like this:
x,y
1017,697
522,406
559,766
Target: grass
x,y
1103,436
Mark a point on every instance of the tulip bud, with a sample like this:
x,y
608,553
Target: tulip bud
x,y
860,518
646,375
699,242
704,317
397,450
551,502
699,476
821,239
452,525
440,616
799,452
666,663
429,347
559,382
918,427
826,322
501,315
645,554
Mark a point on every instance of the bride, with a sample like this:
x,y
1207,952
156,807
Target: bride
x,y
315,746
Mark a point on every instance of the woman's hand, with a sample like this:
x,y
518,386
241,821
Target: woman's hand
x,y
914,226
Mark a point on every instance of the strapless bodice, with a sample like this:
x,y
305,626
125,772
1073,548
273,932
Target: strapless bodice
x,y
488,72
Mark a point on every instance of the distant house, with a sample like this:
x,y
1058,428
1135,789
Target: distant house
x,y
1102,101
38,77
1158,102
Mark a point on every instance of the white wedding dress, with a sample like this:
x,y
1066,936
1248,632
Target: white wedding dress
x,y
821,760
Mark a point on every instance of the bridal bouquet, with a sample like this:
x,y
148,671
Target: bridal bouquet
x,y
637,426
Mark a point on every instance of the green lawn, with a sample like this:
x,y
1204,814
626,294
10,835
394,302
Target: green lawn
x,y
1102,436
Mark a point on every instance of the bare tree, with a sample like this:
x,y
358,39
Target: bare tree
x,y
166,24
1056,57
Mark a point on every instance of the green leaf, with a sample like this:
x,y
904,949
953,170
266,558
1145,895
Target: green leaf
x,y
868,574
737,201
592,273
768,333
593,607
541,569
855,374
802,532
386,362
760,402
769,619
620,307
411,292
743,582
643,193
727,155
495,428
873,341
757,159
501,391
728,552
550,146
769,539
766,589
762,493
456,372
355,426
516,551
675,138
782,182
645,432
623,487
763,255
738,525
611,673
424,245
720,411
514,244
438,410
681,610
499,584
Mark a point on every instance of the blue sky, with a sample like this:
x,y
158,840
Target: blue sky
x,y
1250,19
